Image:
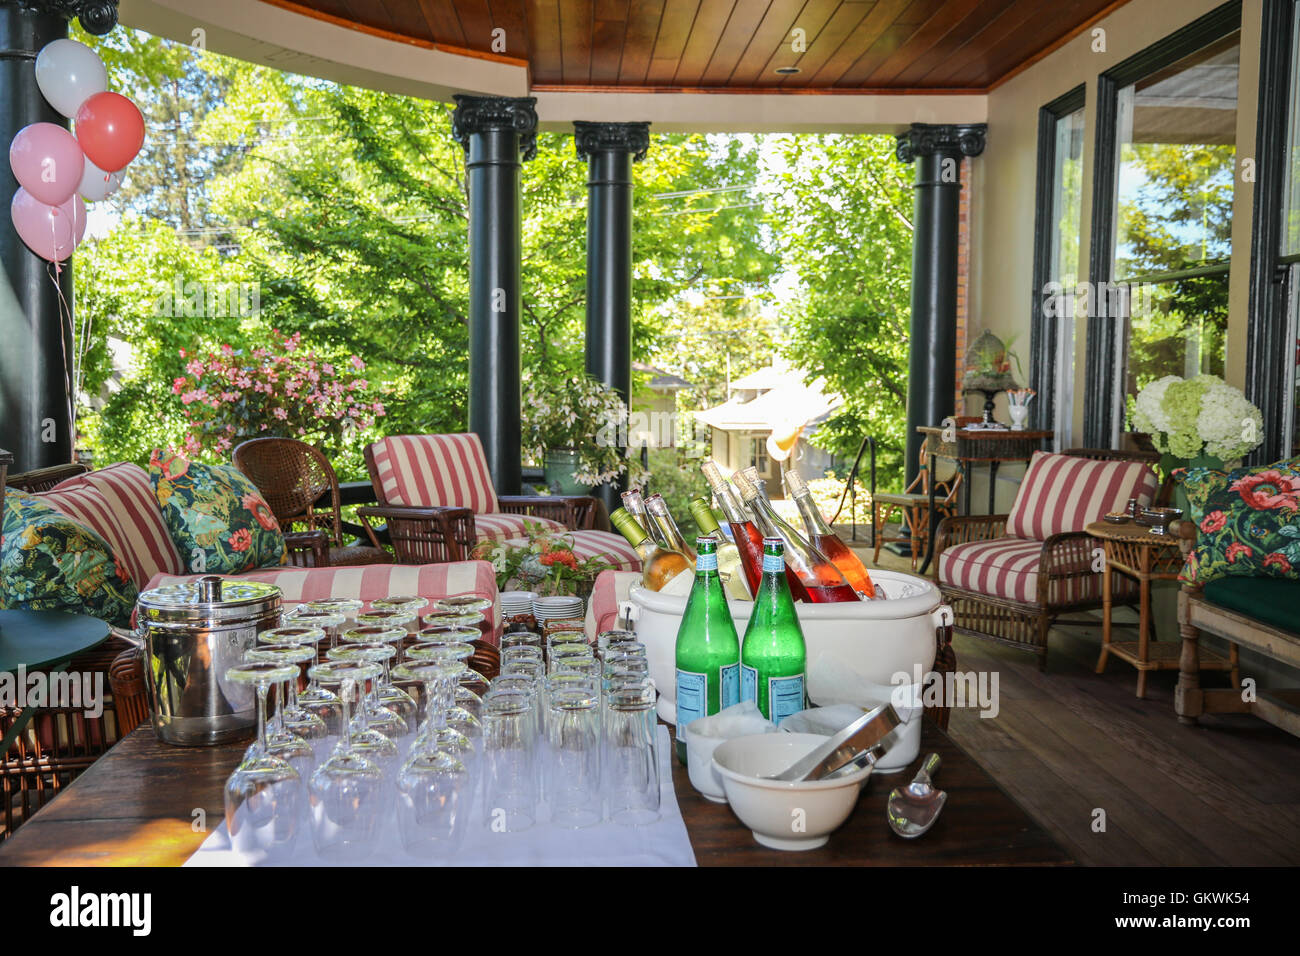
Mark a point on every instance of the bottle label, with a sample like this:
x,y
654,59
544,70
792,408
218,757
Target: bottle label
x,y
748,682
692,698
784,696
706,562
729,685
773,562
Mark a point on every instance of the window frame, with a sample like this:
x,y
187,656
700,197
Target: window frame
x,y
1103,409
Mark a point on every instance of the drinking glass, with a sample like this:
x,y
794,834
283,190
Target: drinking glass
x,y
373,720
459,730
390,696
434,787
263,795
464,604
313,713
348,607
521,652
326,616
520,639
281,740
347,791
585,666
573,758
447,618
630,762
448,632
509,772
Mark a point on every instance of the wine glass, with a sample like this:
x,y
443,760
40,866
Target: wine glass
x,y
280,739
303,721
405,620
348,607
346,791
263,795
377,730
434,786
321,701
389,696
458,731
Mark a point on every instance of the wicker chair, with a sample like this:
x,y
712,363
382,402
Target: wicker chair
x,y
914,503
1065,579
62,742
300,486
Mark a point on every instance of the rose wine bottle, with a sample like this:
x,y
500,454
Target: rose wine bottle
x,y
822,582
748,539
825,539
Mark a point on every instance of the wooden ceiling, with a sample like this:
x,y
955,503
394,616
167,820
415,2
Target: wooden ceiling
x,y
735,45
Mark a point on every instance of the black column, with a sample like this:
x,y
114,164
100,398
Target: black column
x,y
610,149
35,375
932,366
498,134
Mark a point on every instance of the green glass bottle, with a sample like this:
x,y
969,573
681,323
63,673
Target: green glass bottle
x,y
773,657
708,650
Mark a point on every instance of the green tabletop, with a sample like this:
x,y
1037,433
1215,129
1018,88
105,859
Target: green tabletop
x,y
33,639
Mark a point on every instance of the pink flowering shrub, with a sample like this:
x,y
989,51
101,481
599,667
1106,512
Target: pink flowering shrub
x,y
279,390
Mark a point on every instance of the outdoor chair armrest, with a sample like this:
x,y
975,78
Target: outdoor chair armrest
x,y
1068,554
573,511
307,549
959,530
423,535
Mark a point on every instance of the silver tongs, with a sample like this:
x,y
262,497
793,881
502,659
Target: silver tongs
x,y
860,743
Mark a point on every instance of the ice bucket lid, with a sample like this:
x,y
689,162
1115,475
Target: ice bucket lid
x,y
209,599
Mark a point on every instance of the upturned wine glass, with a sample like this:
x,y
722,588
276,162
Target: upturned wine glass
x,y
321,701
459,722
282,741
263,795
389,695
347,791
377,731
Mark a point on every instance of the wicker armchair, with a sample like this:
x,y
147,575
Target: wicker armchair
x,y
299,484
1015,587
437,498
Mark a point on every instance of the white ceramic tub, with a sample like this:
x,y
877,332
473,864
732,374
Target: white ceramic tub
x,y
877,639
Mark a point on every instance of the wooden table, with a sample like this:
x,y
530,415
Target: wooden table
x,y
969,447
1133,550
137,807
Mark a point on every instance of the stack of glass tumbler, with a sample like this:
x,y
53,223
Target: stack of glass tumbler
x,y
394,730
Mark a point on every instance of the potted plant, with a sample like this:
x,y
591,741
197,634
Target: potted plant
x,y
577,428
1199,422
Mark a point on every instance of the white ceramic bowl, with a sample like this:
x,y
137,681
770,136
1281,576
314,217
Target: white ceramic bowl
x,y
784,816
878,639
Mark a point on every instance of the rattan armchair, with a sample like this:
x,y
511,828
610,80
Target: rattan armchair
x,y
301,489
1067,579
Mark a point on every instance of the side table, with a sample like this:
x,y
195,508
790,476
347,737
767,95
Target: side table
x,y
1133,550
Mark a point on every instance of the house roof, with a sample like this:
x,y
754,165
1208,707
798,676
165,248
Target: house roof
x,y
661,381
788,402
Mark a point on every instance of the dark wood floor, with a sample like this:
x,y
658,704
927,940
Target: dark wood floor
x,y
1069,742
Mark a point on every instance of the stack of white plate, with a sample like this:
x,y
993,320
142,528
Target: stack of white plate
x,y
514,603
558,607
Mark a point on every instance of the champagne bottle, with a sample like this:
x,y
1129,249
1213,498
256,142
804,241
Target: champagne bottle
x,y
743,530
773,656
662,519
708,650
635,506
824,538
820,579
658,565
730,567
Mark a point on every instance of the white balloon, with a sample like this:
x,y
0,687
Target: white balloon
x,y
97,184
68,74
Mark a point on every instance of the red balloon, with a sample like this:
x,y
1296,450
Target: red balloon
x,y
110,130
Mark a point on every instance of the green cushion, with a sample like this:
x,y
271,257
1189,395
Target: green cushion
x,y
1248,521
1270,600
217,518
51,562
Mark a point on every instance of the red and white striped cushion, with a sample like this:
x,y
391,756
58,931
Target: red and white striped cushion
x,y
604,544
370,582
1008,568
435,471
610,589
1063,493
499,527
118,502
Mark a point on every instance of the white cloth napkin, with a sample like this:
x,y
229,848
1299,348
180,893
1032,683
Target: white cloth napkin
x,y
664,843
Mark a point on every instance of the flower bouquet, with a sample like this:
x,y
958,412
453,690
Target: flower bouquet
x,y
543,561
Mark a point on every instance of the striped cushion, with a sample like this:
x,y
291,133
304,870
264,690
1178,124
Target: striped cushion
x,y
370,582
501,526
610,590
1063,493
1008,568
433,471
118,502
604,544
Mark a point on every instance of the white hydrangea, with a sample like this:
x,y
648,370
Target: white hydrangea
x,y
1148,414
1228,423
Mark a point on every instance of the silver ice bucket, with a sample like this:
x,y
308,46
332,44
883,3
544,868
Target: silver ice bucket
x,y
192,634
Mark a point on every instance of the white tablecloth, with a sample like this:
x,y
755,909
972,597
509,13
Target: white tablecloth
x,y
664,843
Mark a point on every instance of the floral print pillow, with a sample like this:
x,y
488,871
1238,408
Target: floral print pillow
x,y
51,562
1248,521
217,518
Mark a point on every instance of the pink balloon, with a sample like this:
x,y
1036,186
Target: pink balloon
x,y
52,232
47,162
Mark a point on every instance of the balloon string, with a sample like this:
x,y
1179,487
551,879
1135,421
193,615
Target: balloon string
x,y
71,371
